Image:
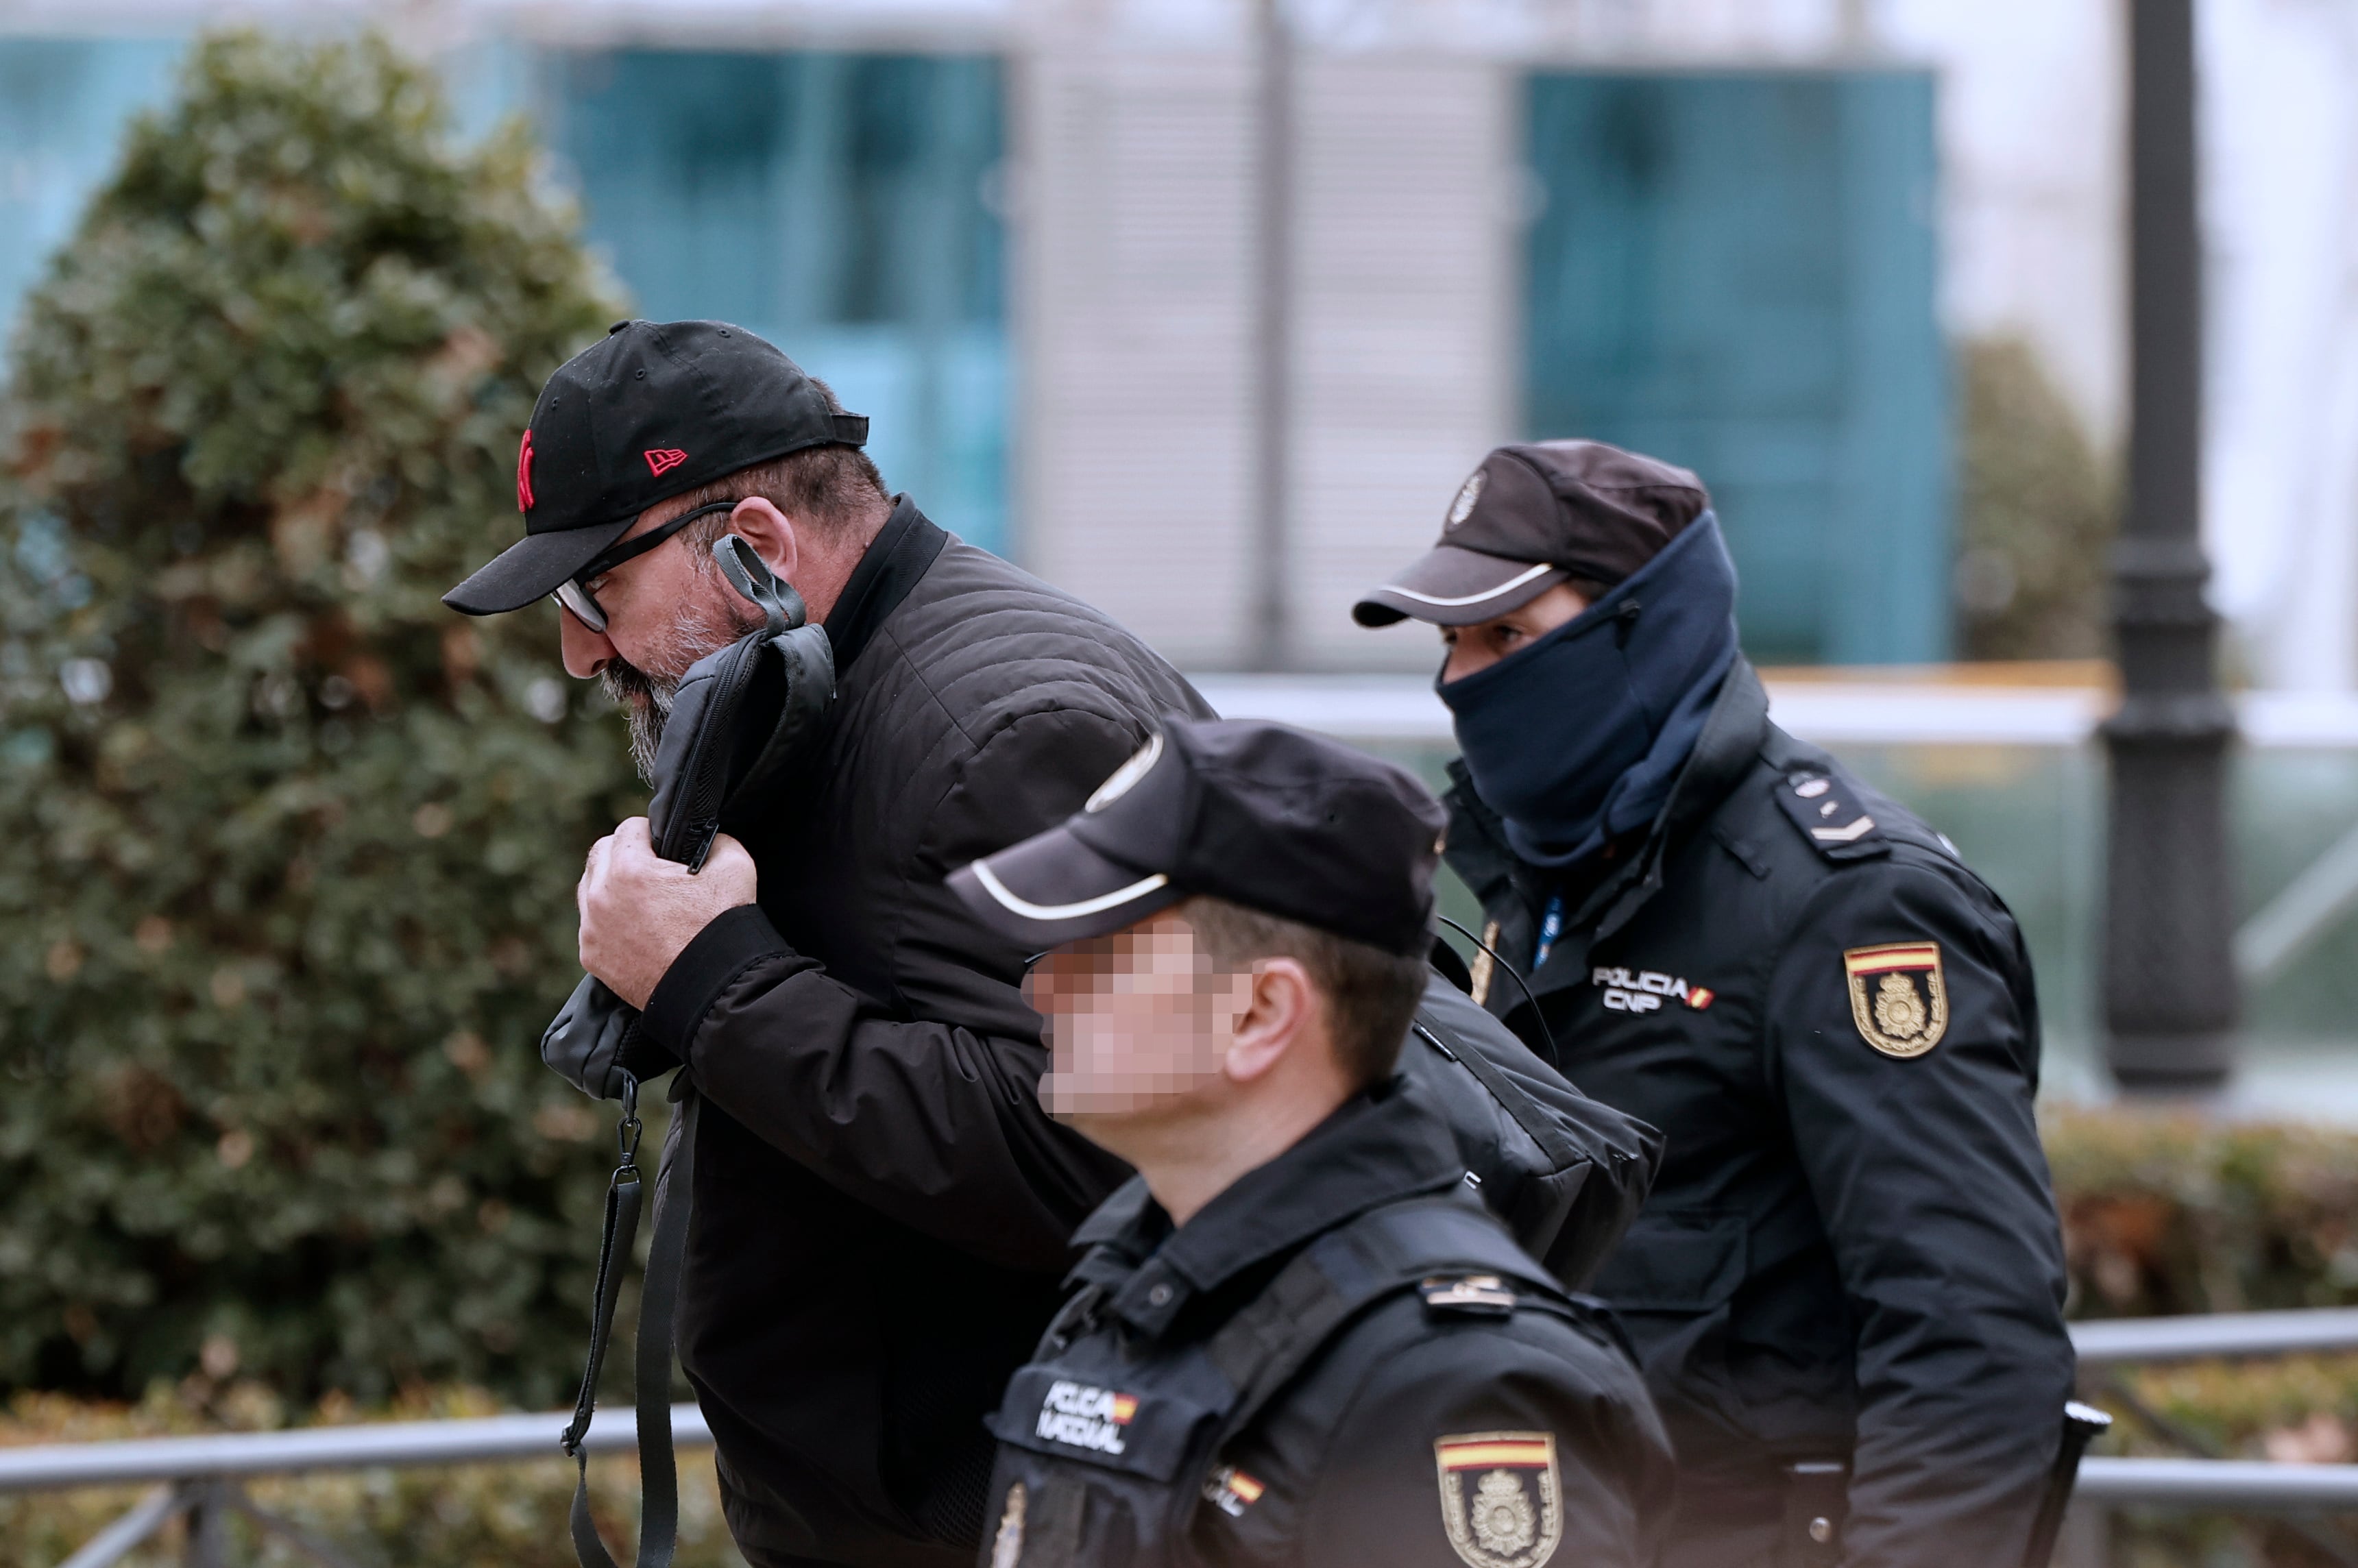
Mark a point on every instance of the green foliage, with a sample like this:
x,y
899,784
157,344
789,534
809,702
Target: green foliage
x,y
492,1516
2177,1213
291,847
2036,515
2301,1409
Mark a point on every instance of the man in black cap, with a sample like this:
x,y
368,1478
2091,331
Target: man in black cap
x,y
1846,1287
880,1206
1299,1337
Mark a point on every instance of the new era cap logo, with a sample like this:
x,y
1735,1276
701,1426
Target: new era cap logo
x,y
662,459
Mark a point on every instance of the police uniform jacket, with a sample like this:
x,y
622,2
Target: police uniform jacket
x,y
1851,1253
1343,1359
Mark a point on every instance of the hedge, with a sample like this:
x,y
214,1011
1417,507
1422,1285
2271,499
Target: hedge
x,y
291,847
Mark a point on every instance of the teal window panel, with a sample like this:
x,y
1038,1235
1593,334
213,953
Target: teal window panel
x,y
63,107
1737,272
836,203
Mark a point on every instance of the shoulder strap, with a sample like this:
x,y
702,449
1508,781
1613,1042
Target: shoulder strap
x,y
1344,1274
658,1296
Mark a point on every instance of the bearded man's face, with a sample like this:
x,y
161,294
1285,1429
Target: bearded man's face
x,y
703,624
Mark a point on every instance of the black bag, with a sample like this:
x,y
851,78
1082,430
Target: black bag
x,y
734,724
1566,1174
738,717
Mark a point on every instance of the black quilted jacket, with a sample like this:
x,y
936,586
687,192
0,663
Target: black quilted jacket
x,y
882,1207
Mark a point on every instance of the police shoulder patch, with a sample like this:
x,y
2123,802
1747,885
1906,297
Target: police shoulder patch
x,y
1501,1497
1897,997
1836,826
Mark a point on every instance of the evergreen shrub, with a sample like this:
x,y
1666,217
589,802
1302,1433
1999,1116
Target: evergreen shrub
x,y
2167,1212
2035,513
285,895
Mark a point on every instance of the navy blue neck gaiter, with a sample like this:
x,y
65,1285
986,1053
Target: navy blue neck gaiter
x,y
1578,738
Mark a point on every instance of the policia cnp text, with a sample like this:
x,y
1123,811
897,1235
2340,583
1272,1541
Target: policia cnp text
x,y
1847,1288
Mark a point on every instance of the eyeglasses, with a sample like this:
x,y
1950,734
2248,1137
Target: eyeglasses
x,y
573,591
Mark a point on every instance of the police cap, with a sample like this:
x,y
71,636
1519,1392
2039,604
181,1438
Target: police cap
x,y
1261,815
1534,516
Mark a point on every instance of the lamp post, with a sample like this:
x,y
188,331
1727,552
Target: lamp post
x,y
2170,988
1269,644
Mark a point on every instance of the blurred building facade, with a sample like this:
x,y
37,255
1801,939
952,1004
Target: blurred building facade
x,y
1204,308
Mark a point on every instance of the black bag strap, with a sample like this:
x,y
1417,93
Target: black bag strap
x,y
1348,1272
658,1301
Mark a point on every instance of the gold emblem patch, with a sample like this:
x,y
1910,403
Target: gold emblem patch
x,y
1501,1499
1897,997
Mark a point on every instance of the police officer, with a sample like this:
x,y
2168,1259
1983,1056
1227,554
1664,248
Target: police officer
x,y
1298,1337
1846,1286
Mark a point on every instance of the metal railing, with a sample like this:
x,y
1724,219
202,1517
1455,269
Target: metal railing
x,y
200,1478
2224,1485
2214,1335
2211,1481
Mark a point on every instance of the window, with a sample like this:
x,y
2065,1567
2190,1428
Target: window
x,y
63,102
837,204
1736,273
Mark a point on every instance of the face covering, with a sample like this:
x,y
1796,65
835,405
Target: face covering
x,y
1578,738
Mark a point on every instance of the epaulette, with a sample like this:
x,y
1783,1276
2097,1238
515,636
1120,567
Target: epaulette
x,y
1469,1295
1836,826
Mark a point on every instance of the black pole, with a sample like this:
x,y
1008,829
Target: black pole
x,y
2171,994
1270,642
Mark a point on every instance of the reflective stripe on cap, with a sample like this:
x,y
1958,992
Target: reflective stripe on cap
x,y
1030,911
1512,582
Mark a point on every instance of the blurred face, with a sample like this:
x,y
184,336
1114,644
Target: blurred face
x,y
1136,1021
1478,646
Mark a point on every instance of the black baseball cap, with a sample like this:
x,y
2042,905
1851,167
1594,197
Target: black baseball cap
x,y
1259,814
656,410
1535,514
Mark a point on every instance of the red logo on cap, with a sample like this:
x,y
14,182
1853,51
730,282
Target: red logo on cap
x,y
662,459
523,473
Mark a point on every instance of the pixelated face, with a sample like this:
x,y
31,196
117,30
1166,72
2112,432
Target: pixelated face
x,y
1133,1021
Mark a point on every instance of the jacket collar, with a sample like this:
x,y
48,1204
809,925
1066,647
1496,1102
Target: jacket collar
x,y
1377,1148
888,569
1732,735
1723,754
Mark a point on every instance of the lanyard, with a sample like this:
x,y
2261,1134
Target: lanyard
x,y
1551,927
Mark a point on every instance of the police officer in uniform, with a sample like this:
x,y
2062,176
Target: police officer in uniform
x,y
1846,1286
1297,1335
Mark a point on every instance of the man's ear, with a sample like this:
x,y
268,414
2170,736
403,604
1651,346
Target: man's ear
x,y
1280,1017
770,532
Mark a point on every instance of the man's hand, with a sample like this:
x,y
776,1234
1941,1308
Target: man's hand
x,y
638,909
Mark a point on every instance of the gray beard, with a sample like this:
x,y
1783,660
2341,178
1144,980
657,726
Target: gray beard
x,y
646,699
645,702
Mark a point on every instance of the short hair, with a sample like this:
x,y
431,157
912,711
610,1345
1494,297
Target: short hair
x,y
1371,995
834,487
